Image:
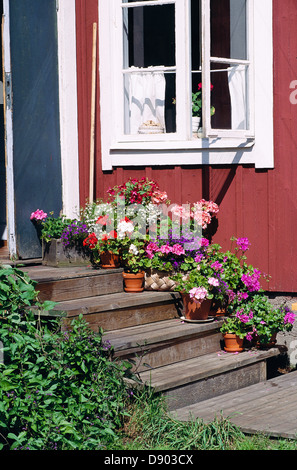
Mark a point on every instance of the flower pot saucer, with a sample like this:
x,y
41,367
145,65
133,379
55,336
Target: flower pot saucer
x,y
208,320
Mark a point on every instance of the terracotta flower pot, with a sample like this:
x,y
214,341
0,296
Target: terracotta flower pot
x,y
233,343
133,282
109,260
195,311
270,344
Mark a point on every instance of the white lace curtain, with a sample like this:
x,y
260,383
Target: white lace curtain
x,y
237,88
146,99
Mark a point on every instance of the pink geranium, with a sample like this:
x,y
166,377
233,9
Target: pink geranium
x,y
38,215
180,211
213,282
204,242
198,294
151,248
165,249
159,197
178,250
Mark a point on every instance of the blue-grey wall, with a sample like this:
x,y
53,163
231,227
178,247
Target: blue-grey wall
x,y
36,135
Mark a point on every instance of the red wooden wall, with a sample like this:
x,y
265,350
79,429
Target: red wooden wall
x,y
258,204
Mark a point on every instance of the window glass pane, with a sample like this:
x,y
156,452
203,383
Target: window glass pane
x,y
228,29
149,36
229,96
149,93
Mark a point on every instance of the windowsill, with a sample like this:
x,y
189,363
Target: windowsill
x,y
195,144
215,151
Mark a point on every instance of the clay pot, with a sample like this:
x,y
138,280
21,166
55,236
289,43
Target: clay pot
x,y
233,343
109,260
270,344
194,310
133,282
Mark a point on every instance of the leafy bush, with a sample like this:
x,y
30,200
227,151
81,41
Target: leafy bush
x,y
58,389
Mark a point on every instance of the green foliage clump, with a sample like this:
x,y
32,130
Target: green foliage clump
x,y
59,389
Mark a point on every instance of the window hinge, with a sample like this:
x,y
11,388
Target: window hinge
x,y
8,90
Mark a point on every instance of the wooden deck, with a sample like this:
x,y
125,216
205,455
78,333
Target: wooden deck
x,y
268,407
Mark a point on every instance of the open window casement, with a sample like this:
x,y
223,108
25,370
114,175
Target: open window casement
x,y
227,68
154,54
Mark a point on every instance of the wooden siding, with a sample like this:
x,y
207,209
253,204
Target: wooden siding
x,y
258,204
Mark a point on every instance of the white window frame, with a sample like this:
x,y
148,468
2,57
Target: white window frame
x,y
218,146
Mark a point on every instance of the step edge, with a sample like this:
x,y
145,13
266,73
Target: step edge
x,y
211,372
123,303
121,345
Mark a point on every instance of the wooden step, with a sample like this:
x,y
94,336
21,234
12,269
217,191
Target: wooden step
x,y
64,284
194,380
4,252
123,310
267,407
165,342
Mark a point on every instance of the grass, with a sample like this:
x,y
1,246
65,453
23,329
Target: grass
x,y
150,427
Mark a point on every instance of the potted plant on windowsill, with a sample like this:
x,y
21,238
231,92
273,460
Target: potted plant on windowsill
x,y
197,108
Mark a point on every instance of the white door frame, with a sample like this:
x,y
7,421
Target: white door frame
x,y
66,24
7,87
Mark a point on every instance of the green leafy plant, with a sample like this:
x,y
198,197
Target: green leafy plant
x,y
201,283
53,227
134,191
237,324
59,388
257,319
133,254
197,102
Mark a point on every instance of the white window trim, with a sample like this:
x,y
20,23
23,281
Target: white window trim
x,y
215,150
66,23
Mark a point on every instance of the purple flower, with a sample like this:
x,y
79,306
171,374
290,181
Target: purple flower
x,y
216,265
289,317
251,281
243,243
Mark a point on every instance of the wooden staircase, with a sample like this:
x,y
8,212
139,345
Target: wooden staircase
x,y
184,361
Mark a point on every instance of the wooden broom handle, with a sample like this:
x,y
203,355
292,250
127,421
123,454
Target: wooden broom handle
x,y
93,103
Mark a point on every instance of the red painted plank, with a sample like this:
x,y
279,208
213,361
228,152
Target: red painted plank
x,y
261,205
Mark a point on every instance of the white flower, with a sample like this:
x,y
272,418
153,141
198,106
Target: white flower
x,y
124,227
133,249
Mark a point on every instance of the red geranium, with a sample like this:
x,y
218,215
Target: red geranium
x,y
91,241
113,234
